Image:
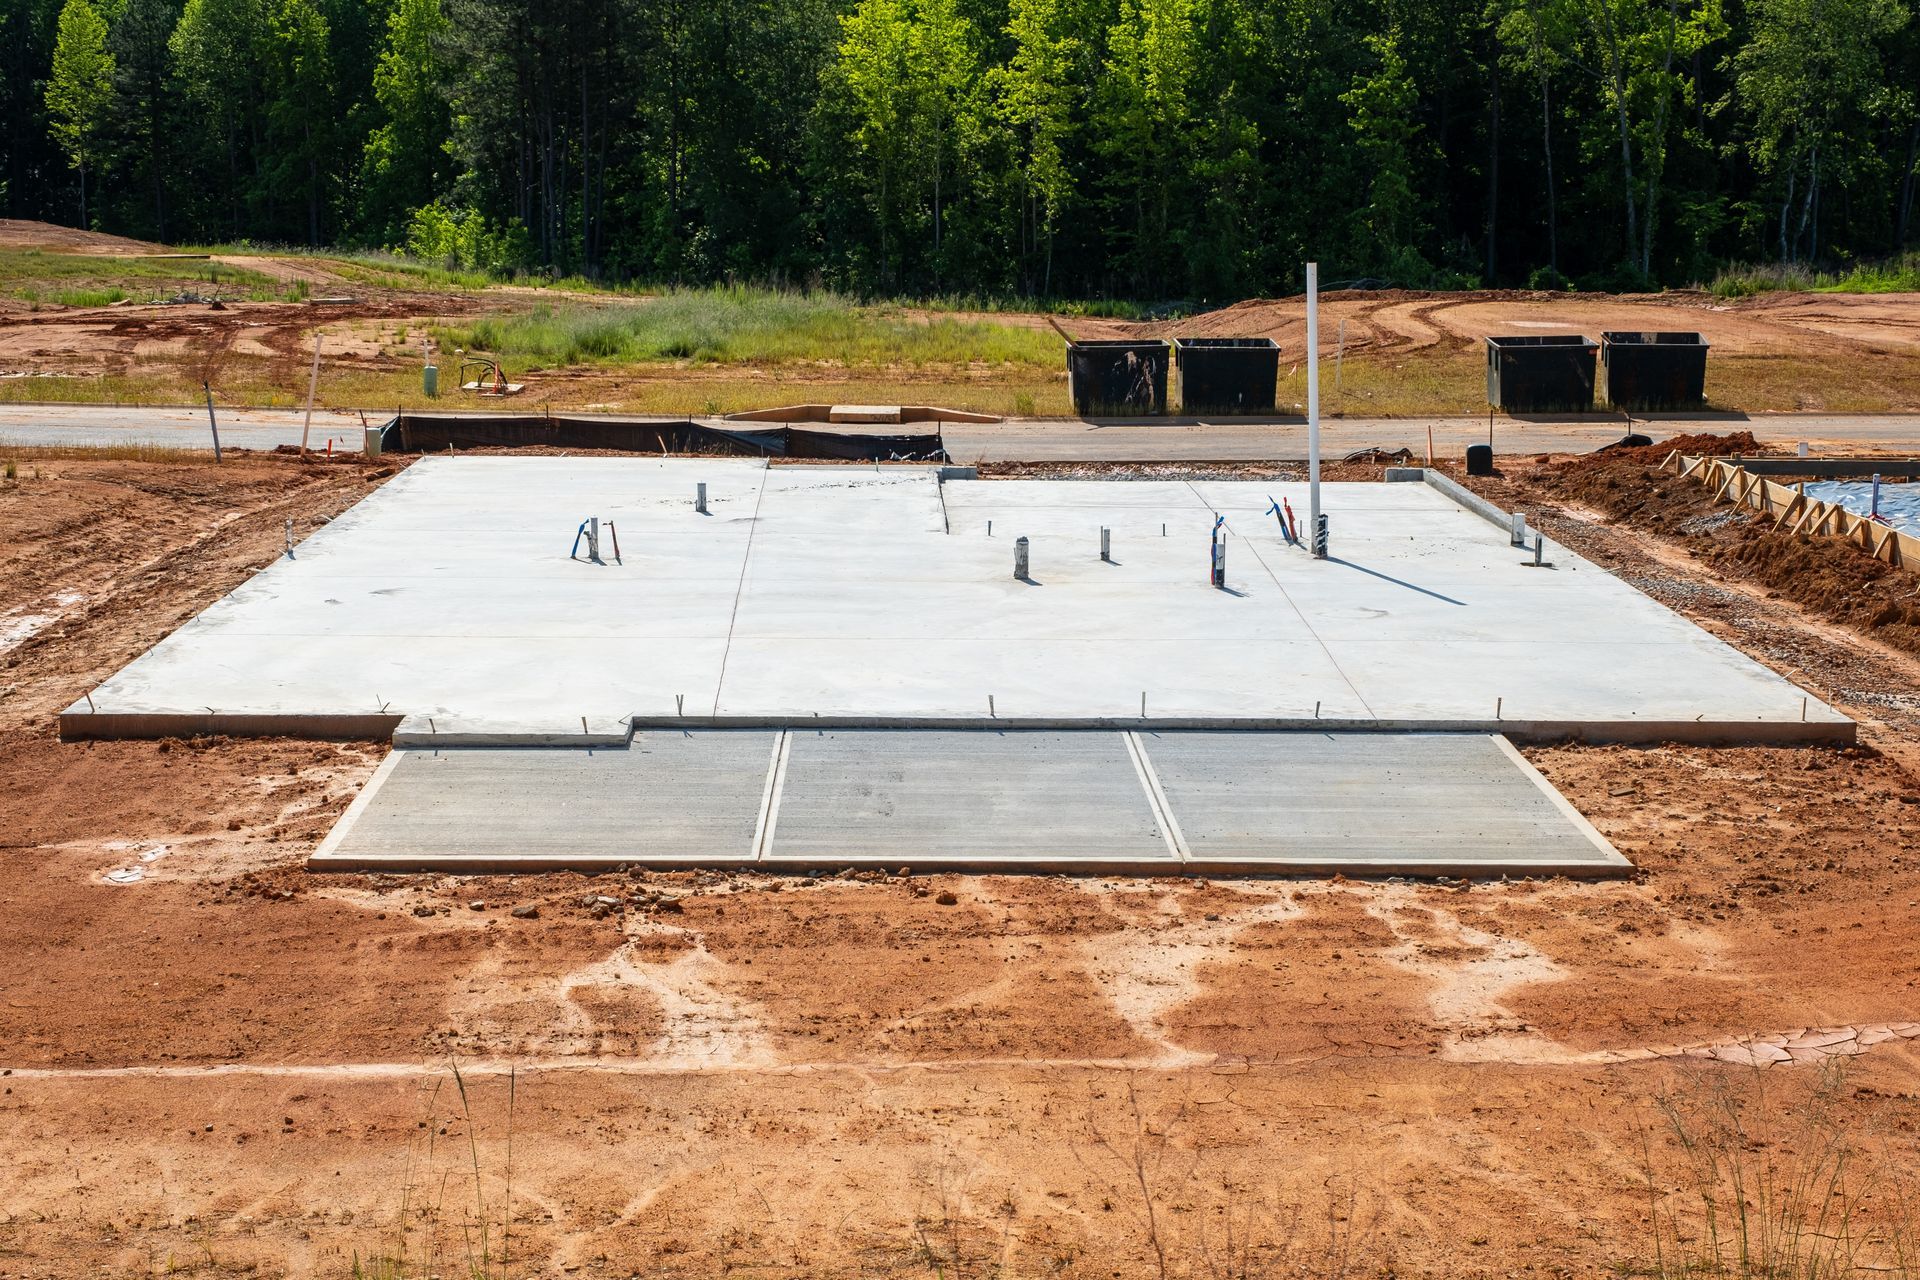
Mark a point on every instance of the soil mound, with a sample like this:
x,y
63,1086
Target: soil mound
x,y
20,233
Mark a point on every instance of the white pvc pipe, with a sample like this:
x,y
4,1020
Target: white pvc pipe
x,y
1313,405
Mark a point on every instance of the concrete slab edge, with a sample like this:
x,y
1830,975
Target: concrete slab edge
x,y
75,726
415,740
1349,868
1835,731
351,818
1470,500
1561,804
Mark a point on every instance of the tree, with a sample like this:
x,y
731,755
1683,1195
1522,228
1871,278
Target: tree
x,y
1534,32
1152,66
144,93
1808,81
404,165
300,107
1034,98
80,88
1632,48
1382,102
219,49
909,74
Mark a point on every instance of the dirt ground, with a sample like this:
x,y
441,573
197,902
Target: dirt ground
x,y
1394,352
217,1063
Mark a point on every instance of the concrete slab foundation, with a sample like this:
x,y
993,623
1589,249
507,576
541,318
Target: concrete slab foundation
x,y
1152,804
831,596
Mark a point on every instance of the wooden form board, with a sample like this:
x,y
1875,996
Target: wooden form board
x,y
1794,512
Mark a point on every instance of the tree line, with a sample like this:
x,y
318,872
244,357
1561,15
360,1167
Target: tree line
x,y
1150,149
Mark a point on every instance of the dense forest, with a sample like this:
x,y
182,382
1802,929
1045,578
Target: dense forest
x,y
1148,149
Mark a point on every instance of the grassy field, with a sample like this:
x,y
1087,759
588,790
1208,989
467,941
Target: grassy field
x,y
751,326
88,280
1432,387
1896,275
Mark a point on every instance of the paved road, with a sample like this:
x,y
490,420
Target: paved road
x,y
1046,440
174,428
1063,441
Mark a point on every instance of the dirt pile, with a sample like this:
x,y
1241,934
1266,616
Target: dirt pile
x,y
19,233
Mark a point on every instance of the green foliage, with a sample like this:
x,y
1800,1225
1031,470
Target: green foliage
x,y
80,87
1812,76
1197,150
406,159
1895,275
740,325
1146,108
1383,103
464,238
1034,100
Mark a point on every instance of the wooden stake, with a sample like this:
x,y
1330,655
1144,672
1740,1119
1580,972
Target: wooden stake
x,y
313,385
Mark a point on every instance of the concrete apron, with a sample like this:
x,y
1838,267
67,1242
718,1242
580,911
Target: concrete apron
x,y
1086,800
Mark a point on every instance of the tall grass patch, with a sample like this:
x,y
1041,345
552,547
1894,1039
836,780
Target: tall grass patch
x,y
1893,275
1760,1176
740,325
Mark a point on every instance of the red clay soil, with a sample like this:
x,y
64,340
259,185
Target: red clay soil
x,y
1405,321
234,1066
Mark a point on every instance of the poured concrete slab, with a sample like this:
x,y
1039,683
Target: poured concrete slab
x,y
860,596
1087,800
853,797
686,798
1468,803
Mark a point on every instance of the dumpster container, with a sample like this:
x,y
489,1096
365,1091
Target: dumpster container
x,y
1550,373
1117,377
1654,370
1226,375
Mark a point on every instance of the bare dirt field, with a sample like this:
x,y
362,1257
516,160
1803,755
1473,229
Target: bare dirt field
x,y
221,1064
1424,352
1391,352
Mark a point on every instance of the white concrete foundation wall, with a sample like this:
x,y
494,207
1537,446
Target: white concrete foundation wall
x,y
856,595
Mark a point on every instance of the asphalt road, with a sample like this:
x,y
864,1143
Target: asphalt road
x,y
1036,440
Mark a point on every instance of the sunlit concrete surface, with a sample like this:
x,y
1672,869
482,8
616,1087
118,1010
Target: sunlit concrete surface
x,y
1156,803
446,604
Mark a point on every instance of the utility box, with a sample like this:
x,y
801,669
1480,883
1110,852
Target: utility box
x,y
1226,375
1654,370
1544,373
1117,378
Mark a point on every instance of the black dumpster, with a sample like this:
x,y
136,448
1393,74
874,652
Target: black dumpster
x,y
1117,377
1654,370
1226,375
1551,373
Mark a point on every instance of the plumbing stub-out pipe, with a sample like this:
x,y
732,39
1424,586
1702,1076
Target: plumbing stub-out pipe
x,y
1519,528
1106,544
1020,563
700,497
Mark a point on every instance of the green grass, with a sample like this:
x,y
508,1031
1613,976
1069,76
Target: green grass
x,y
1893,275
742,325
92,280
